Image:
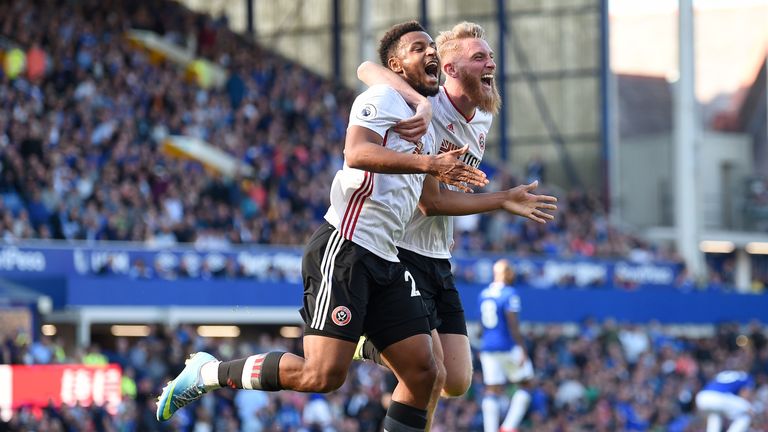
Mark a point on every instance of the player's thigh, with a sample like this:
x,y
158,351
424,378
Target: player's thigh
x,y
437,347
492,365
336,286
450,310
735,406
439,355
709,401
395,310
457,359
327,356
421,269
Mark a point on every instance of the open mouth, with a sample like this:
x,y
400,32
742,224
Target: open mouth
x,y
487,79
432,69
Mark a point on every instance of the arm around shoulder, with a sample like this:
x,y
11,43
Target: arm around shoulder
x,y
372,74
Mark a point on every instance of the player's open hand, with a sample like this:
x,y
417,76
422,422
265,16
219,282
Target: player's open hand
x,y
523,202
413,128
447,168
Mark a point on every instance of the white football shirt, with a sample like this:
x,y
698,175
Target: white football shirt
x,y
372,209
432,236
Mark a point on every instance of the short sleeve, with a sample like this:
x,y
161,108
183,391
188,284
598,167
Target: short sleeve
x,y
513,303
378,109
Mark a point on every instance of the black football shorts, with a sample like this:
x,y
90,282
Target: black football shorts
x,y
350,291
438,290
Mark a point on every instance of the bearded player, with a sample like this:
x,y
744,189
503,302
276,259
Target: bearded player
x,y
461,114
354,282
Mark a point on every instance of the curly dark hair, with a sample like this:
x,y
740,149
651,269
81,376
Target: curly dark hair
x,y
391,39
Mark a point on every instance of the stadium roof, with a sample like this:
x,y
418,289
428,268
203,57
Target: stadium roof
x,y
755,101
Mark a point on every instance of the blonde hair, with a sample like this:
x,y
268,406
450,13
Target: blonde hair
x,y
448,41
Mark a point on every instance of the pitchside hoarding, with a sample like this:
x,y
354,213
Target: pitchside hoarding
x,y
37,386
276,264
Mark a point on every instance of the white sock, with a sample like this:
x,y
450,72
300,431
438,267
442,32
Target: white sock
x,y
517,408
740,424
210,374
491,410
714,423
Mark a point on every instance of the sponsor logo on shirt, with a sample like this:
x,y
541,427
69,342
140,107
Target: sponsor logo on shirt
x,y
419,148
467,158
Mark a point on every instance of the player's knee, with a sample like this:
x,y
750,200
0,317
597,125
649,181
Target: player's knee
x,y
455,388
324,381
424,372
456,384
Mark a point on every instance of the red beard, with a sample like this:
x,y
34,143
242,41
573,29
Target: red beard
x,y
489,102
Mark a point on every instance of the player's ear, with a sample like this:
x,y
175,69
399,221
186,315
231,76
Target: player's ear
x,y
450,70
395,65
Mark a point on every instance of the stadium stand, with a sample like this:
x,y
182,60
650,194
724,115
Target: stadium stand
x,y
83,149
83,159
88,154
595,376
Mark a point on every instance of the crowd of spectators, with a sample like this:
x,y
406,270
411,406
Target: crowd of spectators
x,y
81,149
82,160
593,377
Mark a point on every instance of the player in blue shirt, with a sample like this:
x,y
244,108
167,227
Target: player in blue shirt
x,y
502,351
728,394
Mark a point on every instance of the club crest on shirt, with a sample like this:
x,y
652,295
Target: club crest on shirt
x,y
367,112
481,141
341,316
450,127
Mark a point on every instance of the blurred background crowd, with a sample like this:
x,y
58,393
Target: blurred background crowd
x,y
82,153
82,157
595,376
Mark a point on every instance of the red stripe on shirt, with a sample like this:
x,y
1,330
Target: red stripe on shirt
x,y
351,228
357,200
356,206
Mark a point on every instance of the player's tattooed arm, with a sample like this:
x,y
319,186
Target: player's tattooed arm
x,y
363,150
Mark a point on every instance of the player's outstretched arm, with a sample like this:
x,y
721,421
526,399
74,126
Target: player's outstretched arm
x,y
412,128
519,200
523,202
363,150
